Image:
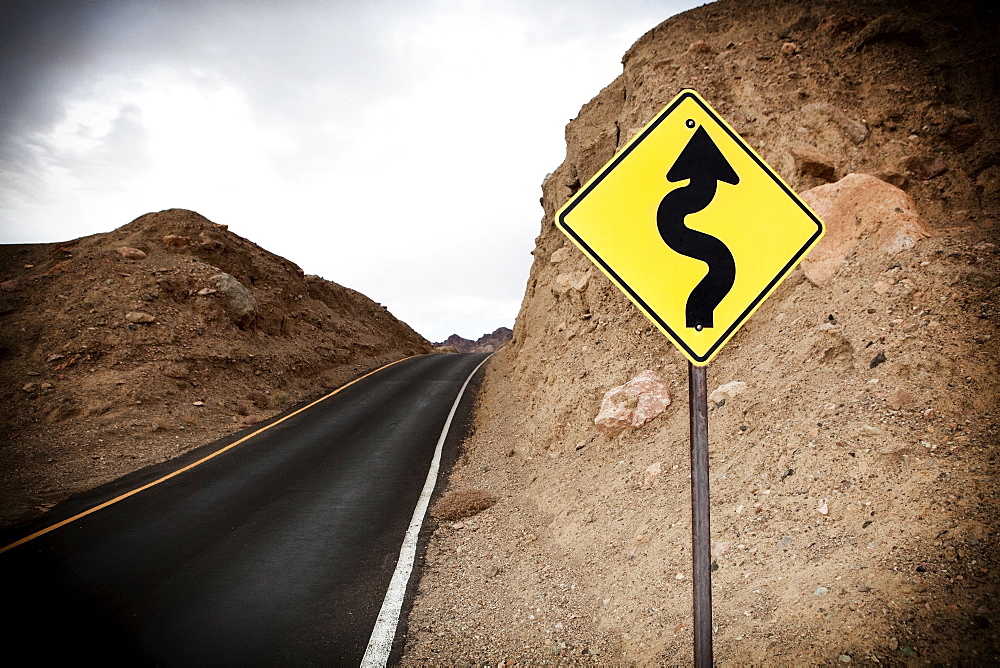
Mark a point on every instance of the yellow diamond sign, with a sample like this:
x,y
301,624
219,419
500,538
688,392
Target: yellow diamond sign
x,y
691,224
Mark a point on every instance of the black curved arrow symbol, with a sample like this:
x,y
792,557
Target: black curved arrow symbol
x,y
703,163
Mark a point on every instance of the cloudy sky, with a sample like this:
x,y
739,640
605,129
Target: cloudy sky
x,y
394,147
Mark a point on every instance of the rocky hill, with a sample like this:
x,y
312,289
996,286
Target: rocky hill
x,y
853,425
123,349
487,343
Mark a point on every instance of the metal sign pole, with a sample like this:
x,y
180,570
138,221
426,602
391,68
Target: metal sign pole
x,y
701,540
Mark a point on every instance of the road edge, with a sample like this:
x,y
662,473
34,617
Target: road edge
x,y
384,634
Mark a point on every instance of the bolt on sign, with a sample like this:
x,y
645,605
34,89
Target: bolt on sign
x,y
691,224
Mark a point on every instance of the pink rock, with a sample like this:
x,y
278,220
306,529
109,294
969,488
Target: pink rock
x,y
130,253
635,403
860,206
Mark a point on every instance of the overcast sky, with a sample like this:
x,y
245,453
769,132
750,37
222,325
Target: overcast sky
x,y
397,148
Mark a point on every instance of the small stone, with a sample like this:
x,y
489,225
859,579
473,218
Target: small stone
x,y
701,46
211,243
925,167
869,430
821,591
962,137
845,658
29,387
836,24
54,357
899,398
571,281
59,268
560,255
727,391
652,472
139,317
893,644
895,178
789,49
881,287
810,161
679,576
176,242
198,403
825,112
823,508
878,359
46,386
129,253
204,292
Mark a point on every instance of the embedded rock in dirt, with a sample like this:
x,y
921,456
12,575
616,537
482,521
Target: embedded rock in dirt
x,y
140,317
810,161
925,166
860,207
727,391
176,241
241,307
575,281
635,403
820,113
131,253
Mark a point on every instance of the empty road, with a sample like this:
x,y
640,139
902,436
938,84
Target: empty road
x,y
277,551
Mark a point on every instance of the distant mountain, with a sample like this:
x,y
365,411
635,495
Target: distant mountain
x,y
487,343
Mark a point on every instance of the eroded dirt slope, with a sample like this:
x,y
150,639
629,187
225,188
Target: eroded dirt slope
x,y
854,478
114,359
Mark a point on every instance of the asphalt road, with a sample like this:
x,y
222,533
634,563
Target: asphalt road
x,y
276,552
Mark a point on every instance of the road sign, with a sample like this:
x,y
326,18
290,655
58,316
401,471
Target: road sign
x,y
691,224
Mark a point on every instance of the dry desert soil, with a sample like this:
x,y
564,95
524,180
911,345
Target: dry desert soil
x,y
853,457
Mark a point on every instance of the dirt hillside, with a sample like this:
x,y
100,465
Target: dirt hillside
x,y
853,452
124,349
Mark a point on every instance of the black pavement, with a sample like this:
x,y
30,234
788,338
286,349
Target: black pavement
x,y
276,552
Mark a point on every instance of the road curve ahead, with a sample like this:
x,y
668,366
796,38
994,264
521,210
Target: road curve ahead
x,y
276,552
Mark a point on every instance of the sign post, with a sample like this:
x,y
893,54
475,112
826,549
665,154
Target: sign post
x,y
701,540
697,230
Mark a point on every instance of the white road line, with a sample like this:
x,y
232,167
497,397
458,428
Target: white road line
x,y
380,643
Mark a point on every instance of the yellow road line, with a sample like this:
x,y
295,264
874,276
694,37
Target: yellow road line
x,y
115,500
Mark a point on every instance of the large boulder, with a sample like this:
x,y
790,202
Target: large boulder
x,y
857,207
241,307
